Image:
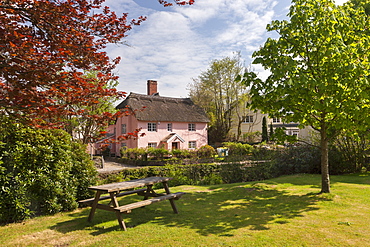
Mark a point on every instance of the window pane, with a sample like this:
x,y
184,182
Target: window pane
x,y
192,144
248,119
152,126
169,127
191,127
152,144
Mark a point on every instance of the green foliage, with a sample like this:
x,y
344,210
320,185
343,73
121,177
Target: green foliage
x,y
206,151
297,159
238,149
216,91
281,137
250,137
354,150
183,153
319,70
41,171
271,134
134,153
265,136
157,153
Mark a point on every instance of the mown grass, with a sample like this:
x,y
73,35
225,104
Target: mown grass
x,y
285,211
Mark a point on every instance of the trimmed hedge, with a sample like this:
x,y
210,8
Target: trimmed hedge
x,y
199,174
269,162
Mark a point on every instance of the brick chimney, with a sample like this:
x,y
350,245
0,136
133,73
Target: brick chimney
x,y
152,87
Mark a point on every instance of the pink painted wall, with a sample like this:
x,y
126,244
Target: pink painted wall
x,y
199,135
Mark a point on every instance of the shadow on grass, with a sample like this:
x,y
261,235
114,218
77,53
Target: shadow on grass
x,y
217,211
314,180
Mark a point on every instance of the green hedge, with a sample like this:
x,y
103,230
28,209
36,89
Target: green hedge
x,y
269,162
41,171
200,174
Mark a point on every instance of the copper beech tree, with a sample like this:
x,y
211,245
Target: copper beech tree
x,y
45,47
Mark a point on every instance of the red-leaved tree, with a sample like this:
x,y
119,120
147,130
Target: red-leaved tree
x,y
45,47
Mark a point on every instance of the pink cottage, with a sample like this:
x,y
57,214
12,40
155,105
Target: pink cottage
x,y
170,123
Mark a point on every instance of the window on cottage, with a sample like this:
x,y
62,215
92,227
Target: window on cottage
x,y
276,120
152,127
169,127
248,119
191,127
192,144
152,144
123,129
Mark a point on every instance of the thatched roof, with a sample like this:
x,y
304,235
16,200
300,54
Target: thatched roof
x,y
158,108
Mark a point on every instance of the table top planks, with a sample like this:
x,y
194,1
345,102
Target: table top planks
x,y
129,184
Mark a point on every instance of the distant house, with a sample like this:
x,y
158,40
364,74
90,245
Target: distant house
x,y
170,123
252,124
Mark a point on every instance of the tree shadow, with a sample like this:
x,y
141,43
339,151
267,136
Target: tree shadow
x,y
314,180
221,211
211,211
96,227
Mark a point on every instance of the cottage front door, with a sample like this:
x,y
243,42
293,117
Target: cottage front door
x,y
175,145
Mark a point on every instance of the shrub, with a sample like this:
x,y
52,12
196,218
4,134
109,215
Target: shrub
x,y
134,153
157,153
206,151
41,171
298,159
183,153
238,149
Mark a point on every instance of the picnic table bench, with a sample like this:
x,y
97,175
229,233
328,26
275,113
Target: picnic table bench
x,y
128,188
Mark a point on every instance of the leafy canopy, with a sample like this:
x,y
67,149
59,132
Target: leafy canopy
x,y
319,70
319,66
45,45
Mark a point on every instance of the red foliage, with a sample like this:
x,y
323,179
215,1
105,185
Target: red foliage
x,y
45,45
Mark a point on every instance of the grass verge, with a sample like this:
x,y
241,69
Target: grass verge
x,y
286,211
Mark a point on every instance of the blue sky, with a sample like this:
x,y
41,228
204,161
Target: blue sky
x,y
175,44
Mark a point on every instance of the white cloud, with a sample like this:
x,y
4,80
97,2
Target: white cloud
x,y
176,44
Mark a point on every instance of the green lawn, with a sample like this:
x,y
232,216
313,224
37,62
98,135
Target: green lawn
x,y
285,211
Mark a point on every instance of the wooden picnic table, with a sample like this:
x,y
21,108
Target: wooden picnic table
x,y
126,188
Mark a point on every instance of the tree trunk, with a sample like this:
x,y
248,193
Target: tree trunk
x,y
325,179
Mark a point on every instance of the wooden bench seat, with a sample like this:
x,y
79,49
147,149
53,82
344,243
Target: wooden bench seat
x,y
89,201
127,208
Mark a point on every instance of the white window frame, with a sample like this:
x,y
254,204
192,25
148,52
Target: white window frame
x,y
191,127
152,127
248,119
152,144
276,120
192,144
169,127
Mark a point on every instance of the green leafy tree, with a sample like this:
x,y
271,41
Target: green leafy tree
x,y
319,71
271,136
265,137
216,91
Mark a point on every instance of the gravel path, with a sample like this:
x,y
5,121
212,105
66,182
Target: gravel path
x,y
110,166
